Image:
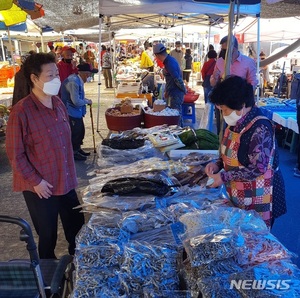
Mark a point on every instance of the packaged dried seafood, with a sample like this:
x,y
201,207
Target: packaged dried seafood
x,y
100,235
260,248
102,283
109,157
148,266
98,256
118,203
136,221
217,287
131,185
203,249
269,279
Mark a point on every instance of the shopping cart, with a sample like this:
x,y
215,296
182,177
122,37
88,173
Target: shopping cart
x,y
34,277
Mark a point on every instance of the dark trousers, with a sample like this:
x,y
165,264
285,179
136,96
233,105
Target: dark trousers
x,y
44,215
78,132
186,76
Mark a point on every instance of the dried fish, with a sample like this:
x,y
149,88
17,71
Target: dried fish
x,y
136,185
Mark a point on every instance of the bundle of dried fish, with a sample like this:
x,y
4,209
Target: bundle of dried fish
x,y
203,249
196,158
150,219
119,203
98,256
153,164
123,143
217,287
109,157
272,279
136,185
100,236
95,283
194,176
149,266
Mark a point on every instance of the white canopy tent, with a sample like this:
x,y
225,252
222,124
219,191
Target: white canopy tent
x,y
138,13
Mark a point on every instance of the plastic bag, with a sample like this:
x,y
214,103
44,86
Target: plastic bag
x,y
203,249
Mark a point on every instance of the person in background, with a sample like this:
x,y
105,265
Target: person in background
x,y
175,89
80,53
67,65
149,51
103,51
207,71
249,154
241,66
146,62
73,96
106,67
58,52
265,71
188,66
210,48
39,148
177,53
21,86
90,58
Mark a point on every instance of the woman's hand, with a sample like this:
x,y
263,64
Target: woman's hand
x,y
43,189
217,180
211,168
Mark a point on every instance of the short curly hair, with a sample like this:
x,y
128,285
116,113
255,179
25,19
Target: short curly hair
x,y
33,64
234,92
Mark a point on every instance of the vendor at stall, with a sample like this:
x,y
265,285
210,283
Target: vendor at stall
x,y
248,154
175,89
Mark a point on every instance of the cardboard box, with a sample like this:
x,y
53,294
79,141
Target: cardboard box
x,y
158,108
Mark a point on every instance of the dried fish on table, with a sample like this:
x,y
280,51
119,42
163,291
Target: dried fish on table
x,y
203,249
194,176
217,287
136,221
102,283
198,158
99,235
136,185
116,203
98,256
123,143
149,266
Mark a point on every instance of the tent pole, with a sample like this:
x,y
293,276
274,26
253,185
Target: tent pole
x,y
42,42
11,50
257,58
3,51
99,72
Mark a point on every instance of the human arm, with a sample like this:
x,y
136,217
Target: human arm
x,y
259,154
17,144
251,73
175,73
76,95
217,73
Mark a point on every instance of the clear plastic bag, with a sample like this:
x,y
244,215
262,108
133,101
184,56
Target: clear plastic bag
x,y
149,266
260,248
214,246
109,157
136,221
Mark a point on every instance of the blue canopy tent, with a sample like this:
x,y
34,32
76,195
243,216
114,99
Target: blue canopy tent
x,y
137,12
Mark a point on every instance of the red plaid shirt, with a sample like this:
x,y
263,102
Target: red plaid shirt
x,y
38,145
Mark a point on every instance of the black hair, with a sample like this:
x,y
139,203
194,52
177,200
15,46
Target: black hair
x,y
211,47
33,64
234,92
103,47
212,54
188,51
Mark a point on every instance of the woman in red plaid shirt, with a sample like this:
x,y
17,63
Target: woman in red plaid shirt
x,y
38,145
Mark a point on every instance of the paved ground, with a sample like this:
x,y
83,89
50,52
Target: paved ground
x,y
286,228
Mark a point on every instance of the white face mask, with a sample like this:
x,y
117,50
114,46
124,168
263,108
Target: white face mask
x,y
52,87
232,118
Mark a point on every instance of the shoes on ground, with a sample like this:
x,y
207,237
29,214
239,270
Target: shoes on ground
x,y
297,173
78,156
84,153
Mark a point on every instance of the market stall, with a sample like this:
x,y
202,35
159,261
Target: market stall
x,y
156,230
